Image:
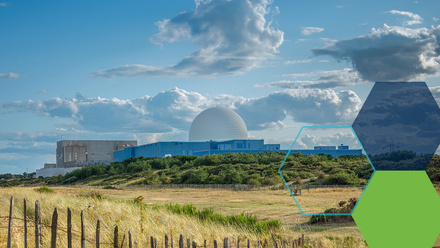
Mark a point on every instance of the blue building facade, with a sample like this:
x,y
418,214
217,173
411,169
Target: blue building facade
x,y
164,149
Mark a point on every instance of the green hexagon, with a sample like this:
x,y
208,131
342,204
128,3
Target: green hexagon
x,y
399,209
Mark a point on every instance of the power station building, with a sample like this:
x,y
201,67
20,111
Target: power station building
x,y
74,154
218,131
214,131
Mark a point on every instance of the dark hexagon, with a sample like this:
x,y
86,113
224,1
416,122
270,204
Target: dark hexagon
x,y
399,125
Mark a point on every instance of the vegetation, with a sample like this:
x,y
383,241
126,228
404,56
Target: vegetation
x,y
401,160
343,207
44,189
154,213
243,220
232,168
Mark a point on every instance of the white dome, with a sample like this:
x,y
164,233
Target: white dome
x,y
217,124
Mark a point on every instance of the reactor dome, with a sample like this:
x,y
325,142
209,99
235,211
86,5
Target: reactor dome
x,y
217,124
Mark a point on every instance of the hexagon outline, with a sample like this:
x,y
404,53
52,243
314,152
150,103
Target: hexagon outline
x,y
288,153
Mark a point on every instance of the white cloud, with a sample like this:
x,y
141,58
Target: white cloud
x,y
173,110
436,93
322,137
4,4
390,53
313,106
311,30
9,75
321,80
415,19
436,19
293,62
231,45
165,117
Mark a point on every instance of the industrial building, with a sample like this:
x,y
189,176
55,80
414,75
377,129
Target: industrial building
x,y
214,131
218,131
74,154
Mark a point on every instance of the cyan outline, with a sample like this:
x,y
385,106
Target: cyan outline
x,y
288,153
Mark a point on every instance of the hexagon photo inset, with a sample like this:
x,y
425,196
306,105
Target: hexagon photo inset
x,y
326,172
399,126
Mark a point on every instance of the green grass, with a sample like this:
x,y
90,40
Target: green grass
x,y
44,189
243,220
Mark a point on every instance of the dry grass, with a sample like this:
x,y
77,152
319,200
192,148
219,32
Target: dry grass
x,y
116,209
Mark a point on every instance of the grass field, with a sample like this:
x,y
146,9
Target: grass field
x,y
116,208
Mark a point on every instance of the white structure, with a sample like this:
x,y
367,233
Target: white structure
x,y
217,124
50,170
74,154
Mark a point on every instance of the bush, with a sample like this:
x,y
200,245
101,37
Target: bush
x,y
110,187
44,189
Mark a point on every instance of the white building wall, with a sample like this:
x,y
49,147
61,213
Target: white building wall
x,y
52,172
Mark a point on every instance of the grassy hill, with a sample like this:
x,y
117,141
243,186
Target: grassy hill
x,y
232,168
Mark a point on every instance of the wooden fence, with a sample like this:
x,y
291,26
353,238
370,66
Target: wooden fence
x,y
210,186
167,242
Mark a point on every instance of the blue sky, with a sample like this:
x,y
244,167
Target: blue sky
x,y
143,70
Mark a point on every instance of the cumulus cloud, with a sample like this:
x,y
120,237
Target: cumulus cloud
x,y
235,44
173,110
415,19
436,93
326,137
10,74
390,53
321,80
313,106
311,30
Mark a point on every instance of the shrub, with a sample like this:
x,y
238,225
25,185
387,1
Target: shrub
x,y
44,189
110,187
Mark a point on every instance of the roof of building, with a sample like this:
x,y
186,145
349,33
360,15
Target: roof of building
x,y
217,124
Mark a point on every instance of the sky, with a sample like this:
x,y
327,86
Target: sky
x,y
143,70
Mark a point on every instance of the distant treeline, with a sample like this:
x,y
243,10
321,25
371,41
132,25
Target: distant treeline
x,y
231,168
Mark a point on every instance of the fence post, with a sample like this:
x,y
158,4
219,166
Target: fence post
x,y
166,241
115,238
98,230
11,212
83,231
37,225
238,242
215,243
69,228
226,243
130,240
123,239
25,223
152,241
53,242
188,243
248,244
181,241
204,243
194,244
172,243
